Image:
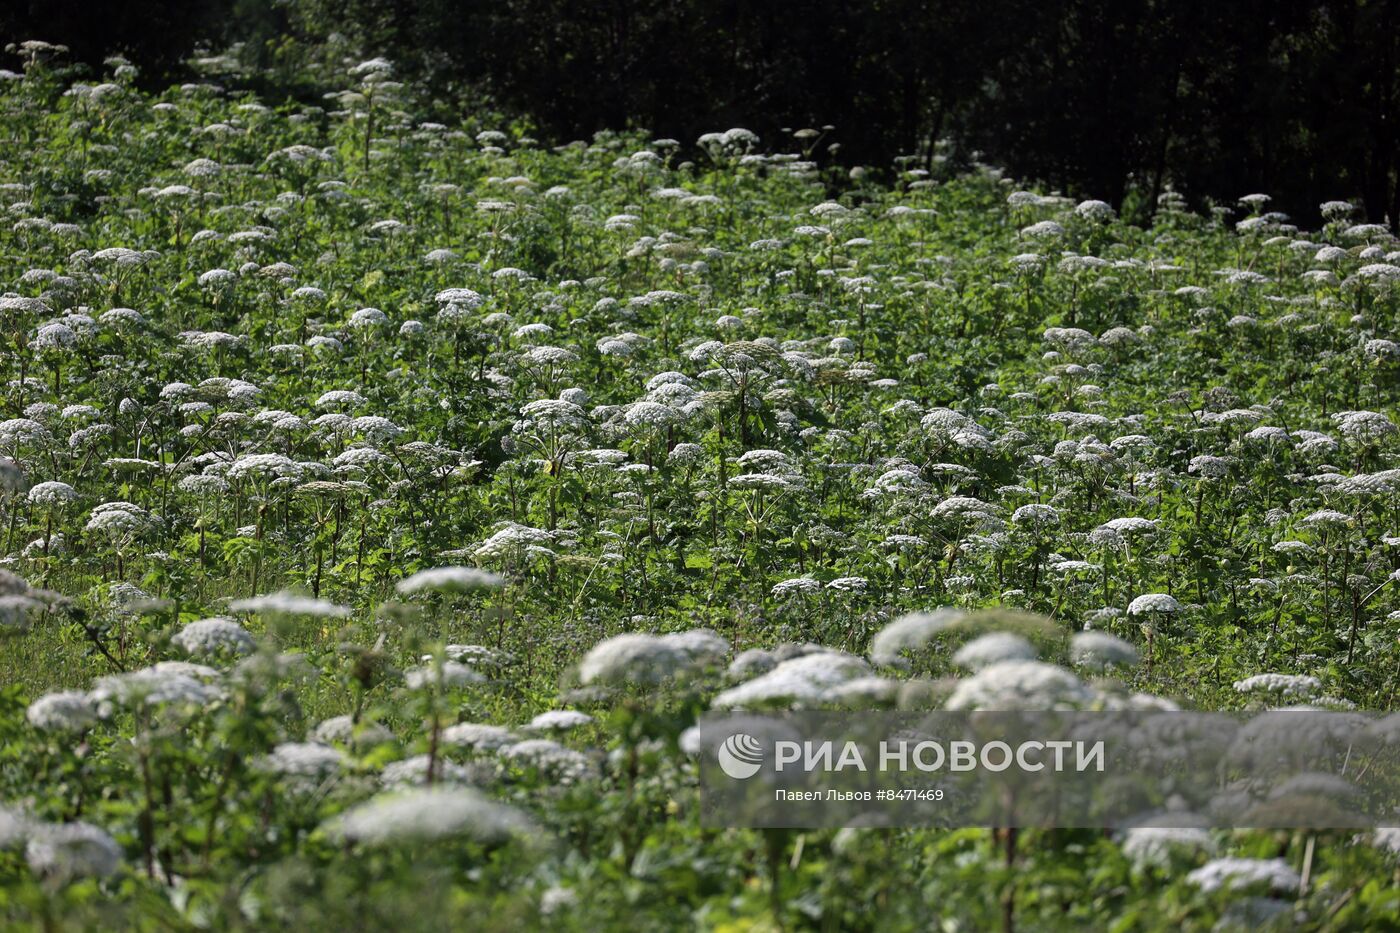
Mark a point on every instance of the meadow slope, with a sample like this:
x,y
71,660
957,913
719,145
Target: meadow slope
x,y
341,447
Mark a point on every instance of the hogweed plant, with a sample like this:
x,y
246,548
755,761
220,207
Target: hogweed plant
x,y
385,496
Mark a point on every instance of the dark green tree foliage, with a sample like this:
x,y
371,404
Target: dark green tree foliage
x,y
157,35
1117,100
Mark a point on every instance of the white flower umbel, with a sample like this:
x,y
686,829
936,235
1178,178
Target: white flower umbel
x,y
345,731
994,648
303,759
65,711
161,685
449,580
1245,874
478,736
643,658
1156,846
559,720
413,772
430,815
1021,685
287,603
450,675
214,637
1148,608
1099,651
1153,602
70,851
553,760
52,493
1290,686
910,632
803,681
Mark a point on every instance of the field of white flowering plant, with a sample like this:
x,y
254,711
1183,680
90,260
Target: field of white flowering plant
x,y
383,500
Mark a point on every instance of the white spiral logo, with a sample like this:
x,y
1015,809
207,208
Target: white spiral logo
x,y
740,756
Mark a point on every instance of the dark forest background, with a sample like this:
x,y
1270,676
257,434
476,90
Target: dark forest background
x,y
1115,99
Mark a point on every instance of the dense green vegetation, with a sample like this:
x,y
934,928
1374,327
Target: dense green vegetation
x,y
341,446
